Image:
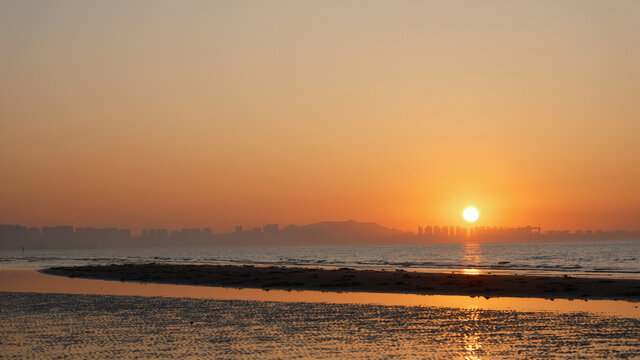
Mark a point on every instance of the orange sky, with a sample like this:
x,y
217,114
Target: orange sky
x,y
201,113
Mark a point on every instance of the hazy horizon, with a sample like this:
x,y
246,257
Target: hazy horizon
x,y
252,227
175,115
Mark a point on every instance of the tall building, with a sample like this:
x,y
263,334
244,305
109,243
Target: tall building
x,y
162,234
238,229
57,233
428,231
270,228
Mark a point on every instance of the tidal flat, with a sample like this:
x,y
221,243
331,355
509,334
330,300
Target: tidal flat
x,y
102,326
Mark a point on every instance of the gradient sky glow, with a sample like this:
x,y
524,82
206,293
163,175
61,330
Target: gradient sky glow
x,y
201,113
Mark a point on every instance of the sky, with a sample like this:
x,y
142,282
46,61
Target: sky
x,y
171,114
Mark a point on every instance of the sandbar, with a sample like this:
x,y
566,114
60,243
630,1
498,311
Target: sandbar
x,y
358,280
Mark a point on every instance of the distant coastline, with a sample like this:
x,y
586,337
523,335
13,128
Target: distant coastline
x,y
352,280
328,233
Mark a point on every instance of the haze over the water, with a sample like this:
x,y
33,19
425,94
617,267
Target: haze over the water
x,y
172,114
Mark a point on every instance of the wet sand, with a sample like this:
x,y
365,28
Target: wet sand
x,y
352,280
132,327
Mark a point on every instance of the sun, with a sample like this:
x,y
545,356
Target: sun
x,y
470,214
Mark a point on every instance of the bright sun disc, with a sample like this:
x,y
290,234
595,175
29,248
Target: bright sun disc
x,y
470,214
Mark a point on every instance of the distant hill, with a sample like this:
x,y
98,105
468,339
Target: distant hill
x,y
353,228
342,232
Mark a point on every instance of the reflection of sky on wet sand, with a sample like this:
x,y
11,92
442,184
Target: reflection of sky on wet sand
x,y
31,281
40,325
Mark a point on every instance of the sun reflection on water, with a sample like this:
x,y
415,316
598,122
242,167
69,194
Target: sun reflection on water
x,y
471,253
470,271
471,339
472,347
471,256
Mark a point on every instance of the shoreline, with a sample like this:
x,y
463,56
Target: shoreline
x,y
352,280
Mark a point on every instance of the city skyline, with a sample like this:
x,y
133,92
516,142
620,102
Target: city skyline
x,y
419,230
328,233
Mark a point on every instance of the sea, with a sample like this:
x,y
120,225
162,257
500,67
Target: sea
x,y
587,259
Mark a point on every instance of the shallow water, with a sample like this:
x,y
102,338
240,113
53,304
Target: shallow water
x,y
103,326
599,259
32,281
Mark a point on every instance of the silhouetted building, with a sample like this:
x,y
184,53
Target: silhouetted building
x,y
428,231
270,228
162,235
436,231
57,233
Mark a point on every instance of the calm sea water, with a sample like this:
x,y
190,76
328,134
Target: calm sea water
x,y
611,259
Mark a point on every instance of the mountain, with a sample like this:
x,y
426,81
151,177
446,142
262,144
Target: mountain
x,y
342,232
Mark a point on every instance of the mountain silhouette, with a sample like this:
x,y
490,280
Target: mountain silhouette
x,y
346,232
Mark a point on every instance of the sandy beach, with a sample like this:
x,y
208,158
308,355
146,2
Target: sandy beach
x,y
348,280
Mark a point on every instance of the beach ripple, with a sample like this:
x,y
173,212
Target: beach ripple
x,y
108,327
